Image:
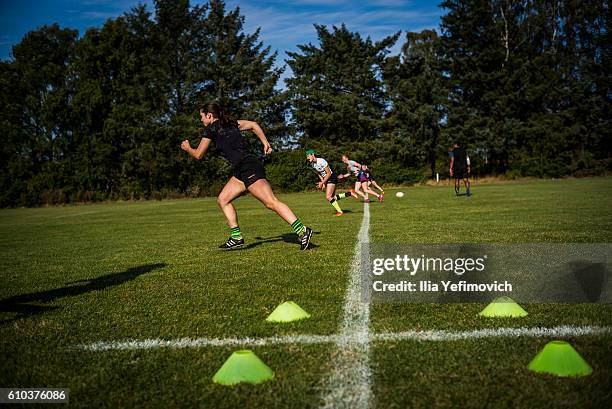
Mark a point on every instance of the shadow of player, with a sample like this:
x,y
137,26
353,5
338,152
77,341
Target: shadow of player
x,y
21,304
287,238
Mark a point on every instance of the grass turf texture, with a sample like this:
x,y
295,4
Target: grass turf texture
x,y
79,274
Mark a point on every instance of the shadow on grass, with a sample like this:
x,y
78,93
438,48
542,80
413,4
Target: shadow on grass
x,y
21,303
287,238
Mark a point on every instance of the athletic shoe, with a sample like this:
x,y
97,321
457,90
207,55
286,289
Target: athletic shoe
x,y
305,238
380,198
339,214
382,193
468,194
354,194
366,201
231,243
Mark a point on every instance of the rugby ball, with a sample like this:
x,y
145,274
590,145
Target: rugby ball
x,y
399,194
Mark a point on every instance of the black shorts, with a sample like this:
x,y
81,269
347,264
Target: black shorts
x,y
460,173
249,171
371,178
333,179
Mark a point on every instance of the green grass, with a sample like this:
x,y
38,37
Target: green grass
x,y
79,274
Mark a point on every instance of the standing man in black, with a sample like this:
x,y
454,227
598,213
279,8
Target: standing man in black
x,y
460,168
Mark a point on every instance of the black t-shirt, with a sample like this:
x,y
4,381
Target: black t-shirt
x,y
228,140
460,158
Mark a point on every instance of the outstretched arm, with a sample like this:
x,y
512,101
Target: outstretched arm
x,y
245,125
346,175
199,152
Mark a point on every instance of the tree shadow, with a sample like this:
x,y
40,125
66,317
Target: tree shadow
x,y
21,303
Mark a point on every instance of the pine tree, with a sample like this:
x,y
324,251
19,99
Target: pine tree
x,y
417,91
336,93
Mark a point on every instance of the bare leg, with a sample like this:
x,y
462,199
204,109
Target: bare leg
x,y
358,190
262,191
457,185
376,186
329,191
367,190
231,191
466,181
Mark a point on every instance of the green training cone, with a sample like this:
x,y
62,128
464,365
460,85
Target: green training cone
x,y
243,366
503,307
287,312
561,359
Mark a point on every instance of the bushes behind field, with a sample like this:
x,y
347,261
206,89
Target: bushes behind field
x,y
289,171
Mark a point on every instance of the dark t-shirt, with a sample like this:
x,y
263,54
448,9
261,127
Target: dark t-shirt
x,y
460,156
228,140
362,176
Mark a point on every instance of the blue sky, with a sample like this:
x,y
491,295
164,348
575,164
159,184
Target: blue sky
x,y
284,23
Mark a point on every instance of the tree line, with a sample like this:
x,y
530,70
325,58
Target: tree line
x,y
524,85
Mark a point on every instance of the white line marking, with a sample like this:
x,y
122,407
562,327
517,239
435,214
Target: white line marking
x,y
203,342
565,331
561,331
348,385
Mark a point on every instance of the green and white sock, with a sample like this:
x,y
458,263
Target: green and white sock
x,y
235,233
298,227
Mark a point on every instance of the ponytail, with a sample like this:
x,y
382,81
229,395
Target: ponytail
x,y
216,111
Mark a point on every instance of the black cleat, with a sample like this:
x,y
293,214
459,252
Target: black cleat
x,y
232,243
305,238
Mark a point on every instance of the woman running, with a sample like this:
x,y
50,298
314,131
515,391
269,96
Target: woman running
x,y
372,180
249,174
327,181
362,177
353,169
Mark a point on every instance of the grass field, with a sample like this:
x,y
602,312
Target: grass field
x,y
78,275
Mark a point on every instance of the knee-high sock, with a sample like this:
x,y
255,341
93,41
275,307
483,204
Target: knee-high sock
x,y
342,195
334,203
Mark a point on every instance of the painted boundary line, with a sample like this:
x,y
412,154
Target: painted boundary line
x,y
348,385
433,335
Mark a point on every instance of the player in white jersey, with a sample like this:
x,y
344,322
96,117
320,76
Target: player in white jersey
x,y
327,181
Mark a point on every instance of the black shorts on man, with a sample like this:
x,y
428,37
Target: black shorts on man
x,y
460,173
333,179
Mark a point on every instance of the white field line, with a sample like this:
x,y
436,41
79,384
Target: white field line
x,y
205,342
348,385
433,335
535,332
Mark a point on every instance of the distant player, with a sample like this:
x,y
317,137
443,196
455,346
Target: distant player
x,y
249,174
353,169
327,180
372,181
362,177
460,168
